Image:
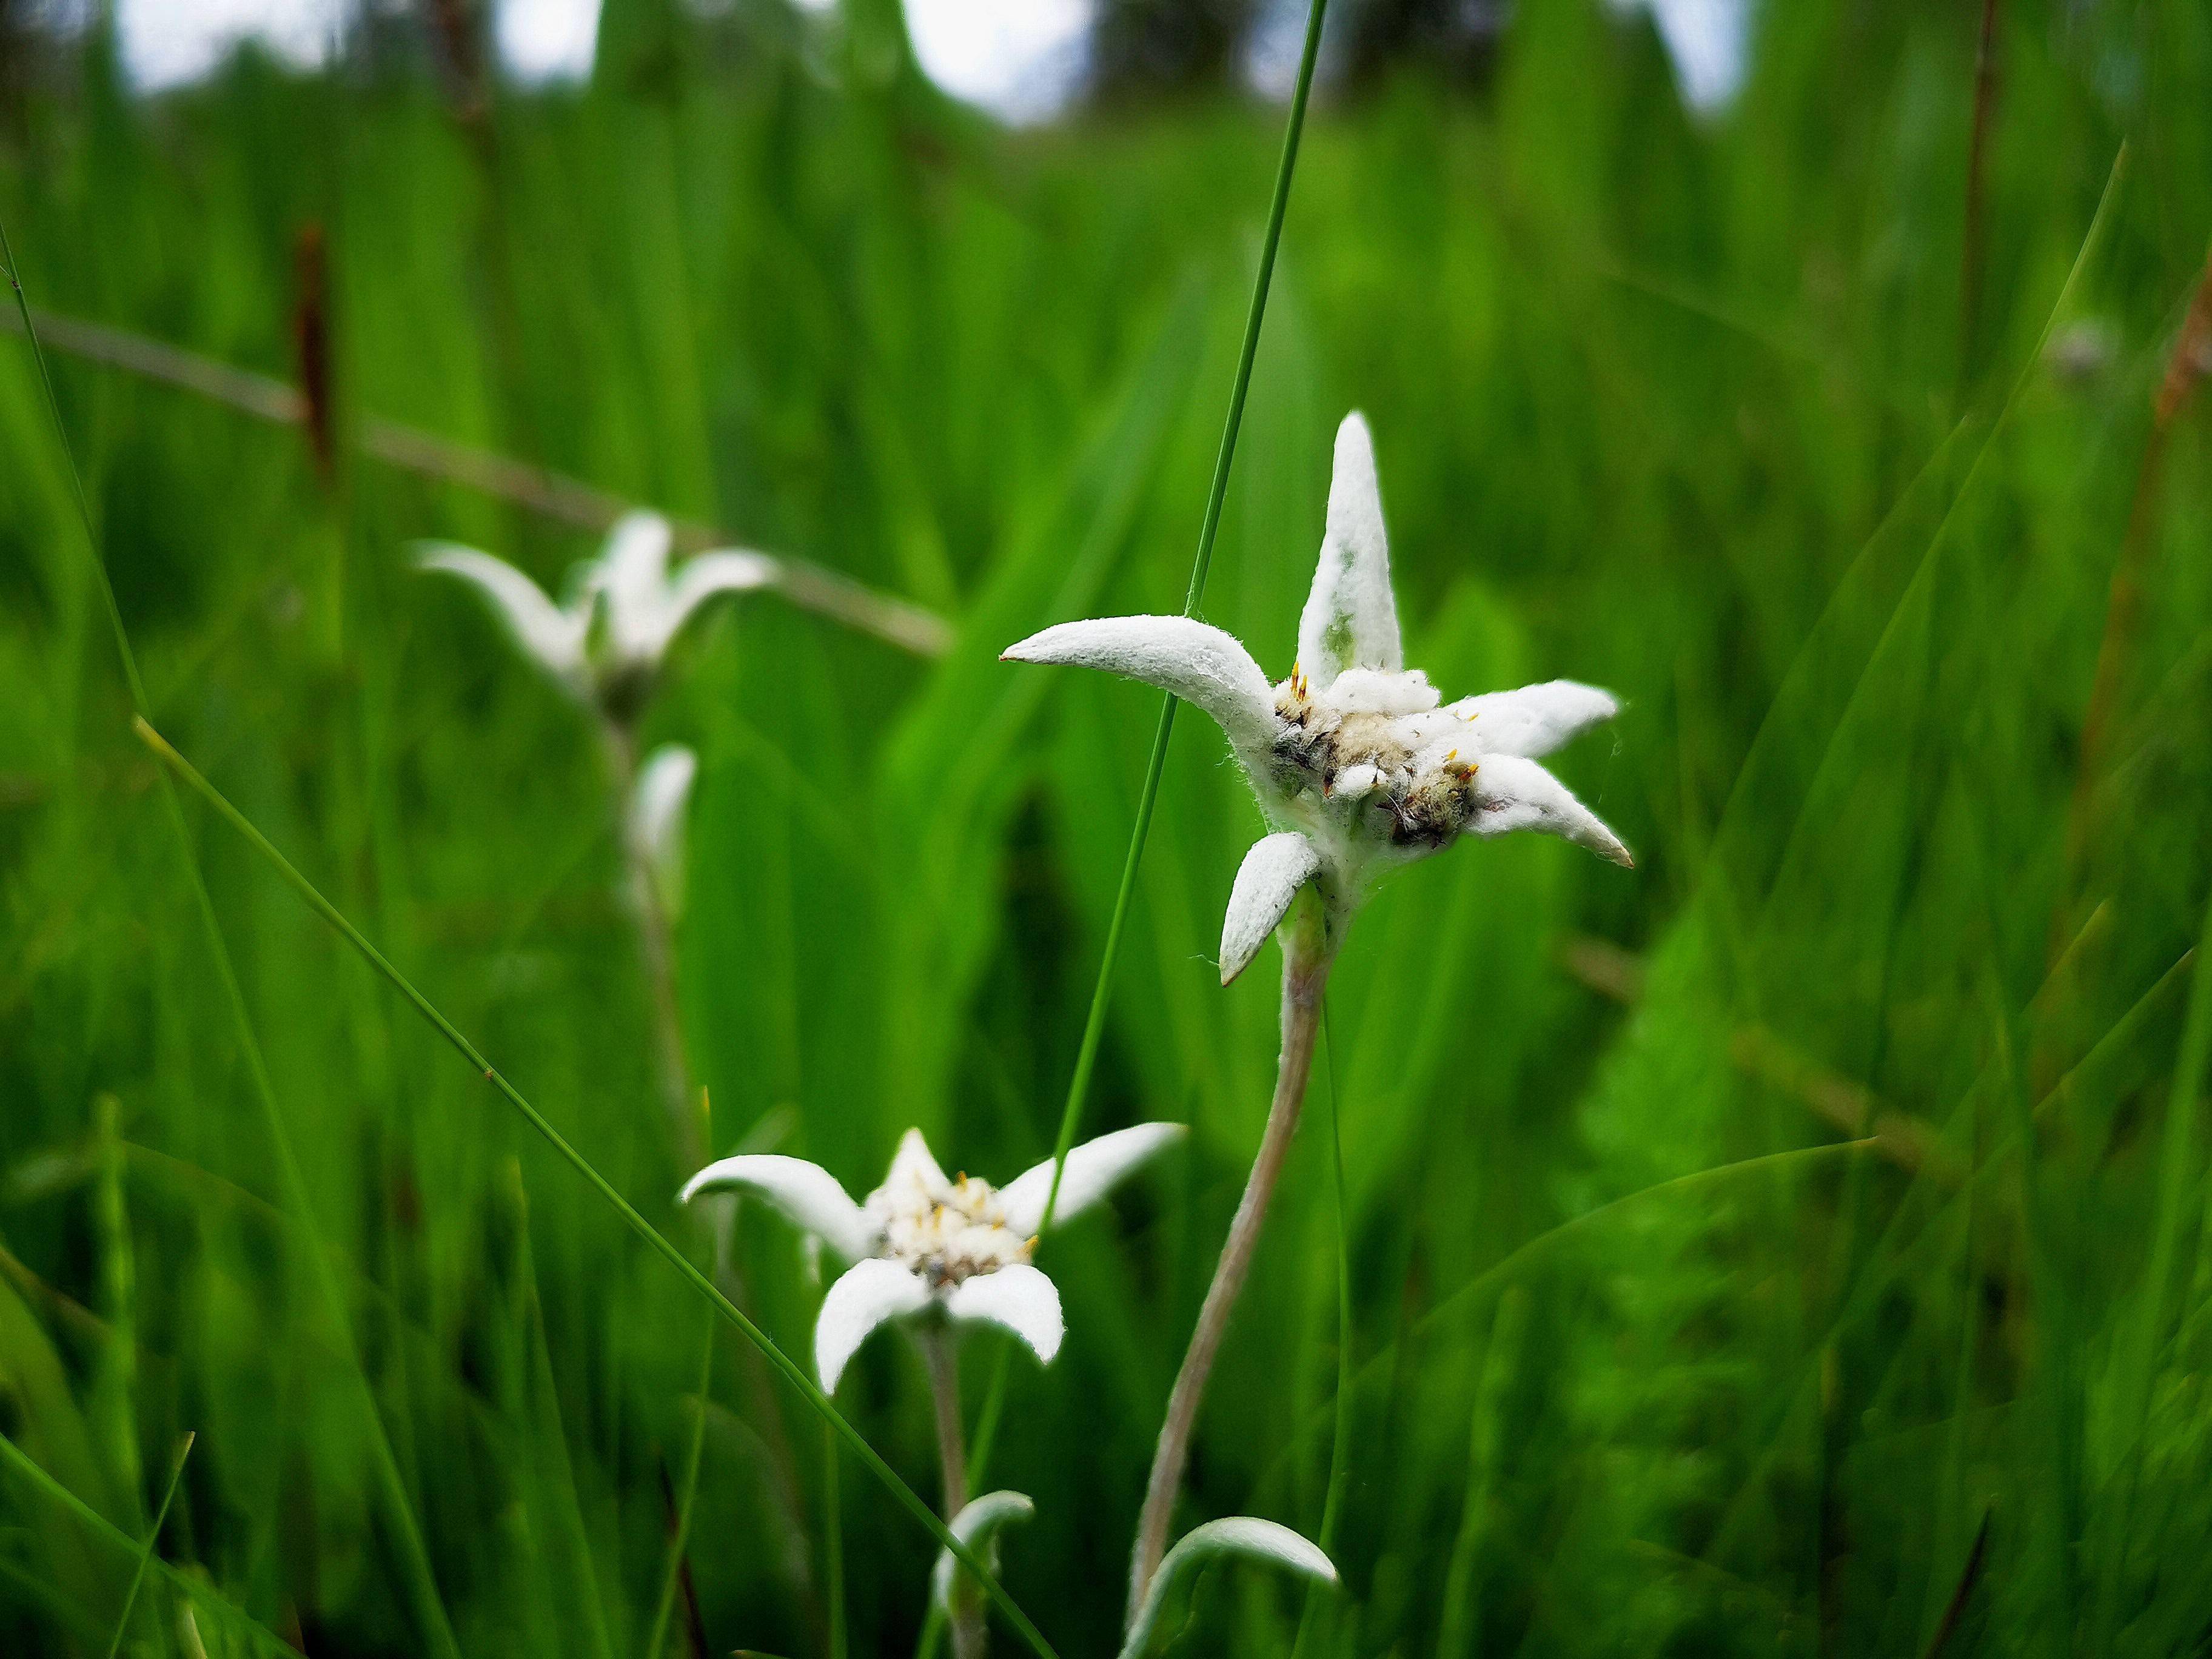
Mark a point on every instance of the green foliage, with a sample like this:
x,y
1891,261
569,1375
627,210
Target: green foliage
x,y
1645,1360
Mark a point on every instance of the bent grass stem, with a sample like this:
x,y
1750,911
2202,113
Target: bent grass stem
x,y
653,1236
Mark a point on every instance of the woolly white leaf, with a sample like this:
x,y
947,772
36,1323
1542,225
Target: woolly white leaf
x,y
1018,1298
1512,793
553,636
977,1526
656,818
1239,1535
1093,1168
1266,882
1199,663
870,1293
1351,618
701,578
1535,719
806,1193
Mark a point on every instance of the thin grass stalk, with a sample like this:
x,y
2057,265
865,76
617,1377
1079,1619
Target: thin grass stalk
x,y
680,1535
1339,1450
1308,949
1094,1024
422,1580
1971,255
184,1584
153,1538
652,1235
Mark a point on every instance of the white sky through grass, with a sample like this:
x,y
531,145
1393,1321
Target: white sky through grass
x,y
169,43
1023,61
548,40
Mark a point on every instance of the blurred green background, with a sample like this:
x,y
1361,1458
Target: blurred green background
x,y
1823,444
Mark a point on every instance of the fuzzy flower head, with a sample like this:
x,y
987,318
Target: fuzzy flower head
x,y
1357,760
925,1245
606,639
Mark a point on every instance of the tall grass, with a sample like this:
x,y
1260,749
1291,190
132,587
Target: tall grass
x,y
1646,1357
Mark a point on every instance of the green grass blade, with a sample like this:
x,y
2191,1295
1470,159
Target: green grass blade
x,y
653,1237
673,1576
112,1535
423,1585
153,1538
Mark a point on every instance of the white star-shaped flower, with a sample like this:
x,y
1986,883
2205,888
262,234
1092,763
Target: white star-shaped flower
x,y
1359,763
606,641
923,1244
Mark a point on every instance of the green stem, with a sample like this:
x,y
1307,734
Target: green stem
x,y
659,1242
1094,1025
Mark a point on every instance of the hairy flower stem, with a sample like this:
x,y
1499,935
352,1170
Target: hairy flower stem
x,y
656,951
1309,947
944,1362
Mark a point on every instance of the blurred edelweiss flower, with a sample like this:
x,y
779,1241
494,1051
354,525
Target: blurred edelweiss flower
x,y
1356,759
923,1243
606,641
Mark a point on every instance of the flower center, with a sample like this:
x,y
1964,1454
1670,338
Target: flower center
x,y
1375,755
948,1232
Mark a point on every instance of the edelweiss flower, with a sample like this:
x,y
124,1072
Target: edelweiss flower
x,y
1357,761
924,1244
606,641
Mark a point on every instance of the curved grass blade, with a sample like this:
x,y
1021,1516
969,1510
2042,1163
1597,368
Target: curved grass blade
x,y
645,1229
153,1538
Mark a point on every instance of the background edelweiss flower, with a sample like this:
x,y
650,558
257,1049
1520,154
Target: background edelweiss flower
x,y
624,607
1354,757
925,1243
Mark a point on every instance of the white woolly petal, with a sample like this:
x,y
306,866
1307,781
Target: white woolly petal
x,y
912,1162
1266,882
977,1526
808,1193
1020,1299
1535,719
1093,1170
698,579
1244,1535
869,1294
1512,793
552,635
1199,663
632,569
1379,691
1351,619
656,817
